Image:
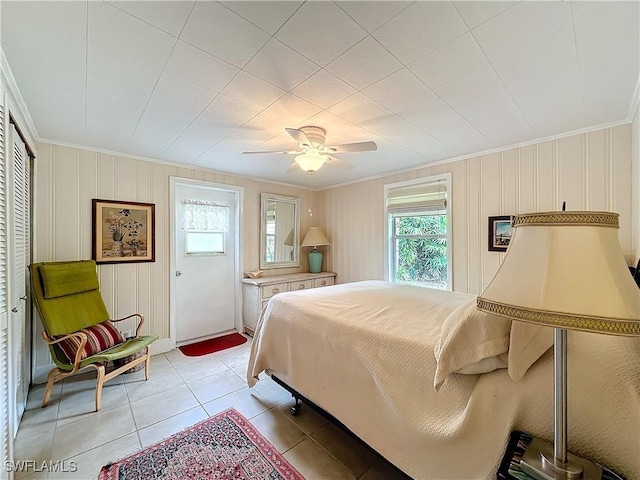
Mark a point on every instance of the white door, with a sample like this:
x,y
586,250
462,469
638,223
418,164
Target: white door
x,y
205,259
6,428
19,247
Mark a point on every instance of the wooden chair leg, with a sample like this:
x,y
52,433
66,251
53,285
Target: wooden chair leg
x,y
51,379
99,383
147,364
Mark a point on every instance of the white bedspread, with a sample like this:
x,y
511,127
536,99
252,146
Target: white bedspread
x,y
364,352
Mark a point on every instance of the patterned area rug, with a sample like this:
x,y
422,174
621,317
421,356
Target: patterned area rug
x,y
225,446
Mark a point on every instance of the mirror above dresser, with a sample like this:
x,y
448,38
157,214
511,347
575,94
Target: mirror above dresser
x,y
279,231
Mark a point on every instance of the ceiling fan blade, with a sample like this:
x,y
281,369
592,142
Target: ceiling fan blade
x,y
299,136
352,147
289,152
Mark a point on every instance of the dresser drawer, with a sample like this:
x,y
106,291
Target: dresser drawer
x,y
301,285
269,291
323,282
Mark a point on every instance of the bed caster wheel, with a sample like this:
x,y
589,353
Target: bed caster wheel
x,y
296,408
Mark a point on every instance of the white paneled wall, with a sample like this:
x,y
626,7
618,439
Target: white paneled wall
x,y
66,180
590,171
635,177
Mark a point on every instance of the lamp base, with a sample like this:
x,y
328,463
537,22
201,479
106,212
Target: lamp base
x,y
538,462
315,261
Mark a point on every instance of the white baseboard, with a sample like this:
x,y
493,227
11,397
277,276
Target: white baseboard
x,y
161,345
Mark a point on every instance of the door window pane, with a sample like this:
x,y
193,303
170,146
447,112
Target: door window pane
x,y
205,243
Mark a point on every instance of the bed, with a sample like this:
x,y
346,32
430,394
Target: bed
x,y
364,352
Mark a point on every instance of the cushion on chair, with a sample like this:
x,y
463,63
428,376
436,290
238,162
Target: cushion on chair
x,y
99,337
60,279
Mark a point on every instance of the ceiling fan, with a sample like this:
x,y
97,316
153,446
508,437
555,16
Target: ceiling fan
x,y
312,153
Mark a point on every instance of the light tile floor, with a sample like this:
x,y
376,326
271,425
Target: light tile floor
x,y
182,391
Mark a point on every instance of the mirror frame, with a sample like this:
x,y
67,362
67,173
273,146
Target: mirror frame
x,y
264,199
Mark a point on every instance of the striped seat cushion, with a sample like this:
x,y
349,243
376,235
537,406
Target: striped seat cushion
x,y
99,337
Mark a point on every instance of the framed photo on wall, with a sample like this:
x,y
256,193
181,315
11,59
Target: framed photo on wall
x,y
500,232
123,232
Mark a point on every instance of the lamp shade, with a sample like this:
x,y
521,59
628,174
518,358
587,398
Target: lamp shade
x,y
315,236
310,162
566,270
289,240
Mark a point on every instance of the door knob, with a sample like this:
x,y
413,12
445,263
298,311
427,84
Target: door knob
x,y
178,273
14,309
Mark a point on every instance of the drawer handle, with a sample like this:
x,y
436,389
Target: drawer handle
x,y
324,282
275,290
301,287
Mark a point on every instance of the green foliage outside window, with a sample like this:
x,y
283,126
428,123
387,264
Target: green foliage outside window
x,y
421,260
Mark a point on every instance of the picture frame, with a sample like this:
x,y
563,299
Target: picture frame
x,y
123,232
500,232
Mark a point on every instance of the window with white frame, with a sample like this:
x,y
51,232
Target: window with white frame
x,y
418,227
205,225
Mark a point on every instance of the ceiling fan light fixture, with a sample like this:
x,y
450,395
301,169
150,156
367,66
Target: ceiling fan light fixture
x,y
310,162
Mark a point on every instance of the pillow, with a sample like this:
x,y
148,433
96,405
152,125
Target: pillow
x,y
61,279
527,343
469,336
99,337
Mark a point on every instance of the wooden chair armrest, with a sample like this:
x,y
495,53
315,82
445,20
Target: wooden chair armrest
x,y
140,321
83,342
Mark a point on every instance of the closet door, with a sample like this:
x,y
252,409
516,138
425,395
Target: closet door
x,y
6,430
19,248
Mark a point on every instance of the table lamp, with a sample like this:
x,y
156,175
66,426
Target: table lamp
x,y
315,236
564,270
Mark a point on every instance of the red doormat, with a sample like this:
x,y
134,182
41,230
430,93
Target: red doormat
x,y
225,446
213,345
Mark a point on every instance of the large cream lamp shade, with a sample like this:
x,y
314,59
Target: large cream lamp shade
x,y
565,270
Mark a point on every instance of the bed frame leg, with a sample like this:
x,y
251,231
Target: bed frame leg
x,y
296,408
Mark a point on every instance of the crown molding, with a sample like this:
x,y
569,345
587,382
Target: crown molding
x,y
18,100
635,101
482,153
170,164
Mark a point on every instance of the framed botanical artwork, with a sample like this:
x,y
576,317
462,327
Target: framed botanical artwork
x,y
123,232
500,232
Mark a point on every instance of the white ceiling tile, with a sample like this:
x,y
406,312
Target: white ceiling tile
x,y
268,15
608,45
323,89
477,12
339,130
113,111
175,103
127,35
431,114
200,67
421,28
57,117
68,17
249,89
50,38
223,33
364,64
217,156
450,61
220,118
122,69
320,31
288,111
483,101
372,15
359,108
396,88
527,22
169,16
280,65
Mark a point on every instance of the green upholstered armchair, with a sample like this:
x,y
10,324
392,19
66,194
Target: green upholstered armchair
x,y
68,301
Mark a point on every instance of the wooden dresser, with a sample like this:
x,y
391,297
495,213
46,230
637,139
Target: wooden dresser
x,y
256,292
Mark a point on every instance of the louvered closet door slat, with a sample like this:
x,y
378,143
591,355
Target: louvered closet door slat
x,y
6,437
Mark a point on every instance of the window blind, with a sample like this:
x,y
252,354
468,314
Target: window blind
x,y
428,197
